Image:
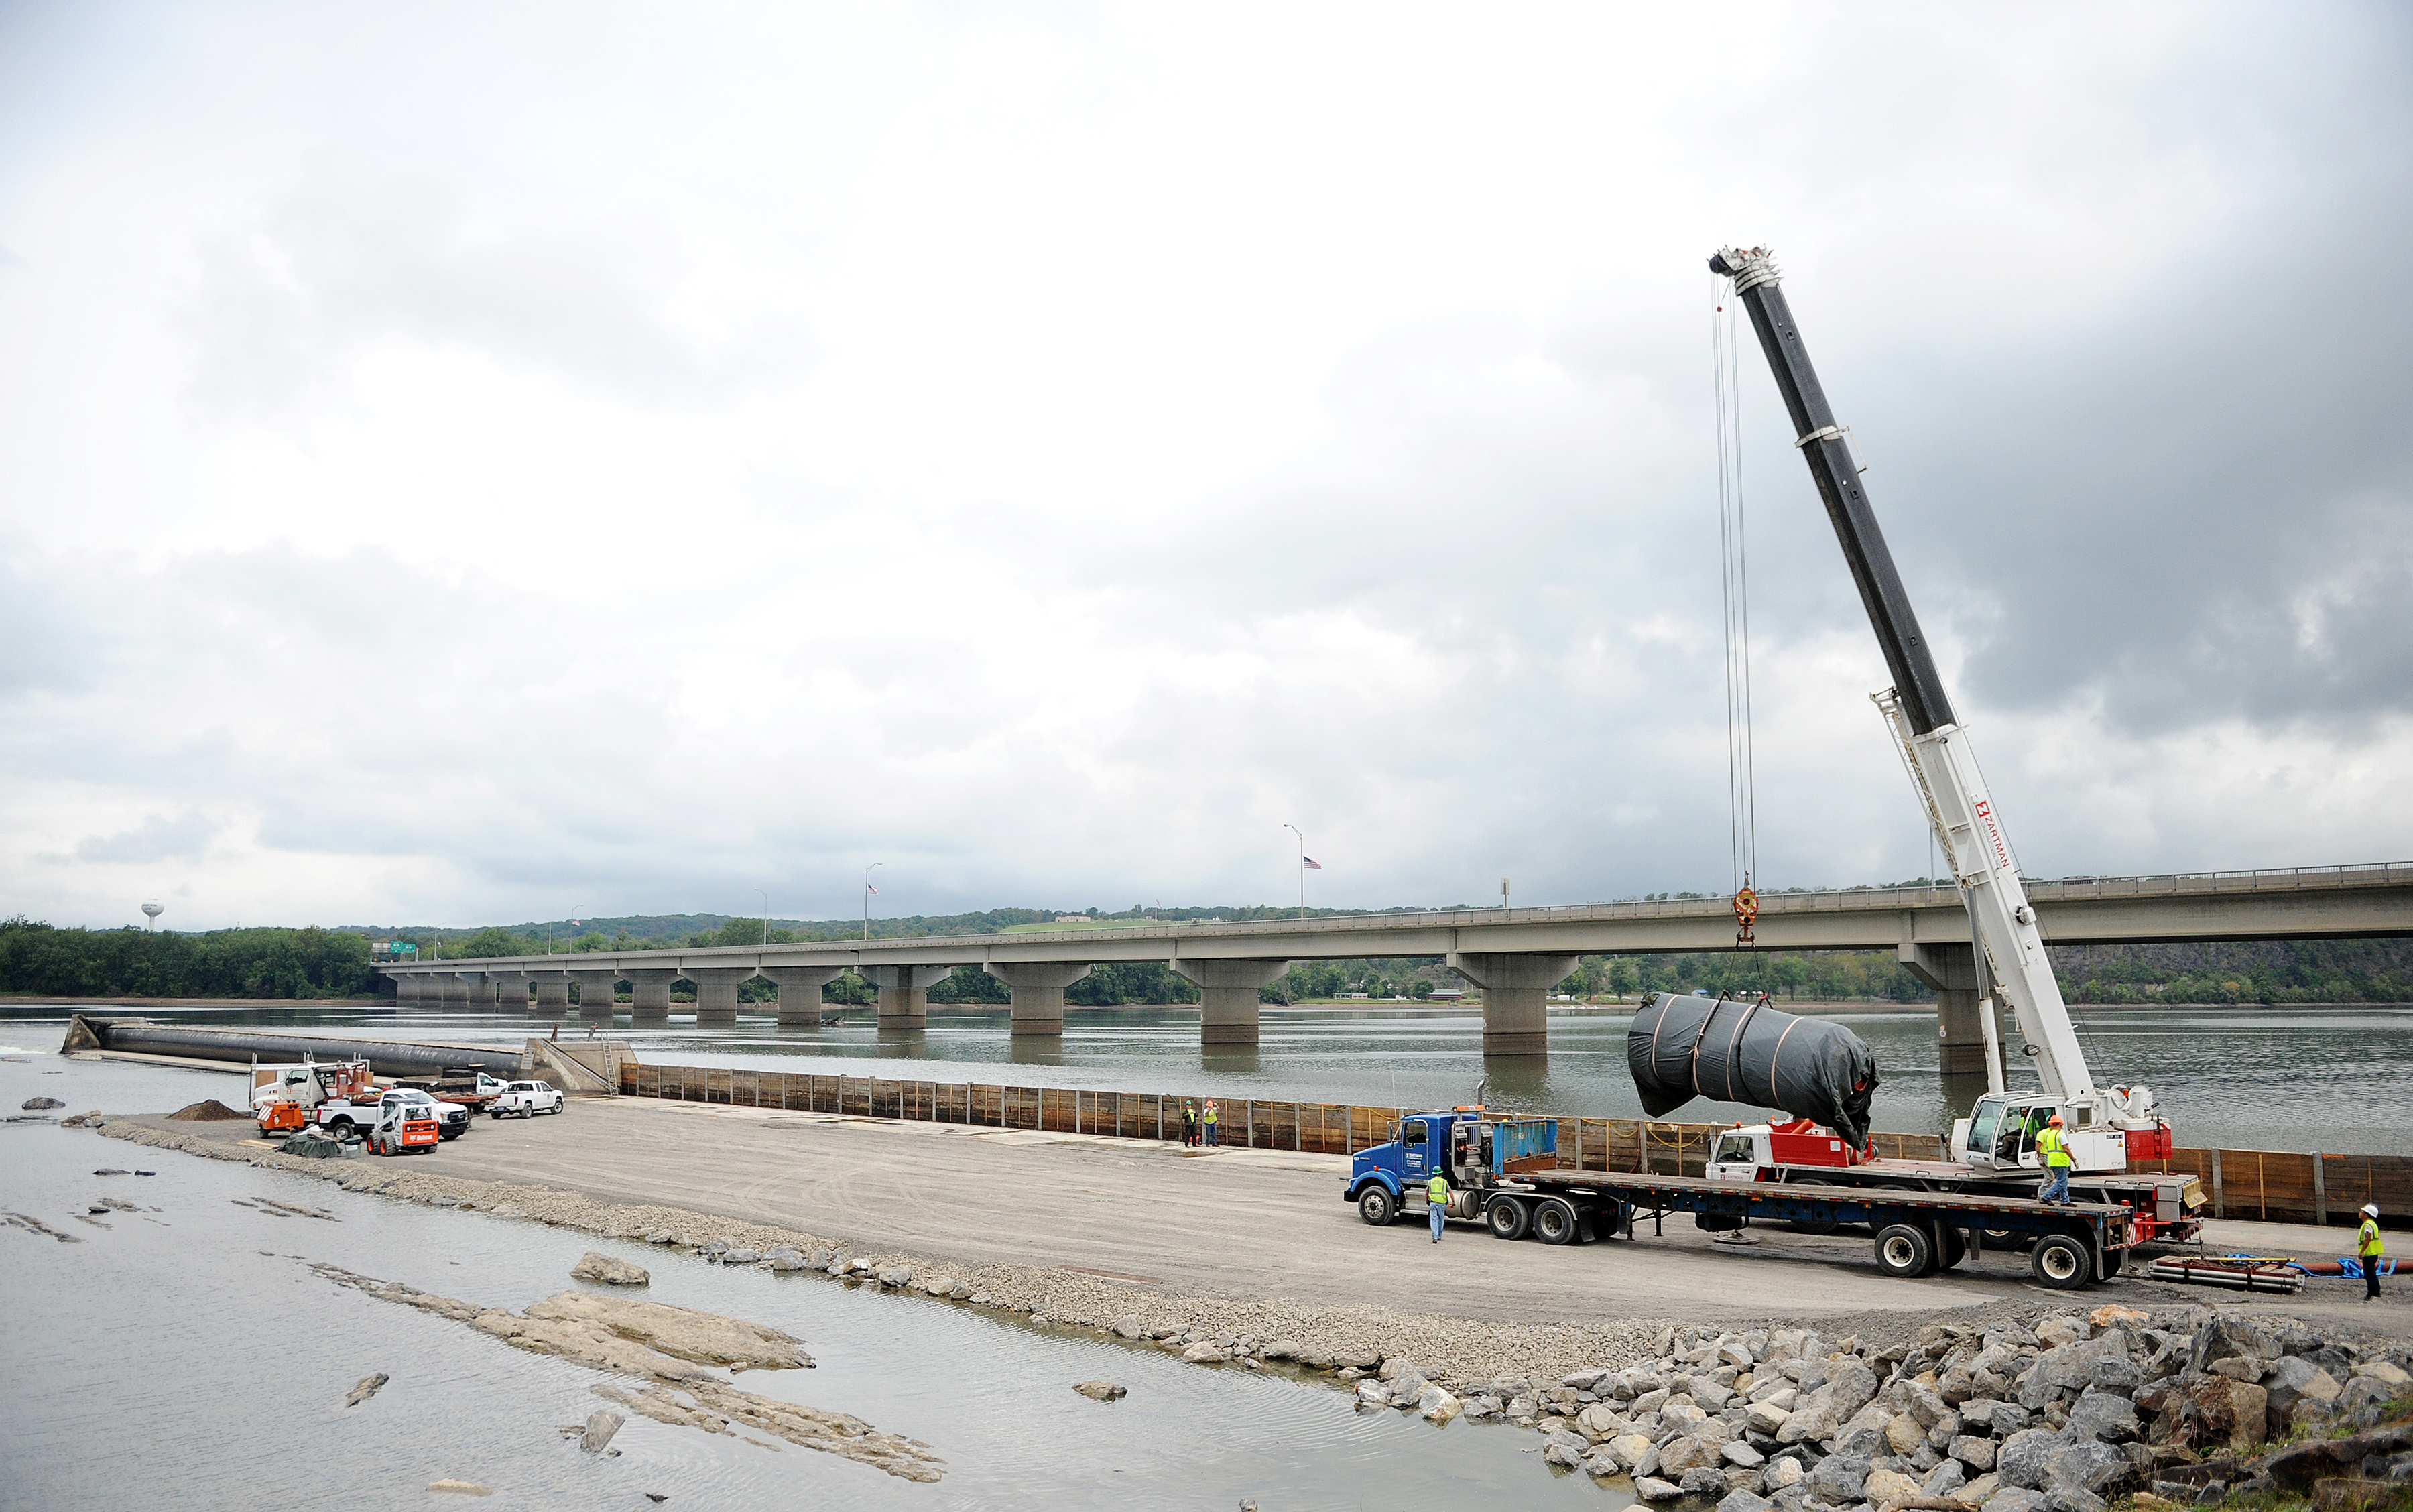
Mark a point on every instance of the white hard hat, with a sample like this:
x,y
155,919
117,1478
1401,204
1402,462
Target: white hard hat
x,y
2370,1210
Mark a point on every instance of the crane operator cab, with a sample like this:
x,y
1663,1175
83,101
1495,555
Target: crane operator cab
x,y
2001,1132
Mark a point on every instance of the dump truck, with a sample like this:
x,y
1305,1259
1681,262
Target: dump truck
x,y
1505,1174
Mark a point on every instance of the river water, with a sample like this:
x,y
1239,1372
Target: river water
x,y
2338,1080
187,1357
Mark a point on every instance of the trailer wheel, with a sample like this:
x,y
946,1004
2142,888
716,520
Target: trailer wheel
x,y
1509,1219
2008,1238
1377,1206
1555,1221
1904,1251
2062,1261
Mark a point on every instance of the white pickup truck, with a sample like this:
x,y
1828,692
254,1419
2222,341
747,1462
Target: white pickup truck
x,y
527,1099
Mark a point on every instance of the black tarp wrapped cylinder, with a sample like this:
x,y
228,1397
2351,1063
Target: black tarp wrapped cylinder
x,y
1746,1052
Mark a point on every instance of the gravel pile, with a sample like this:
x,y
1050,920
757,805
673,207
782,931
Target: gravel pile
x,y
2054,1415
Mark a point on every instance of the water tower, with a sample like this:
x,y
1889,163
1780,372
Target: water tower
x,y
151,912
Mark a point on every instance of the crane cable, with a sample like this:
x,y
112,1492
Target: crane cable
x,y
1742,800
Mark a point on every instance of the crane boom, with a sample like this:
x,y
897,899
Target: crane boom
x,y
1920,713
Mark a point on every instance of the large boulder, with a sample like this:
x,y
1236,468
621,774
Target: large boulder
x,y
2071,1367
1766,1417
2025,1456
1682,1453
1782,1473
1853,1385
1102,1390
2015,1499
1975,1452
1840,1477
1739,1501
2097,1467
2227,1338
608,1270
1886,1486
1703,1481
2105,1415
2291,1382
1651,1489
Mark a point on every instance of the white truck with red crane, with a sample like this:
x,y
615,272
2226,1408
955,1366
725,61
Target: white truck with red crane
x,y
1994,1148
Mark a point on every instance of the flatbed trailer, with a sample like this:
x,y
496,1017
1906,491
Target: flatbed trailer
x,y
1916,1233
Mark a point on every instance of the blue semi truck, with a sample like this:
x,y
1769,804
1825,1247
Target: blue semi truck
x,y
1505,1173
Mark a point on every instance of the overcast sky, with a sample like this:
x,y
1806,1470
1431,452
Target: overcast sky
x,y
464,463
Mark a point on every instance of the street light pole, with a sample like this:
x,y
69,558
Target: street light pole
x,y
766,914
866,896
1302,867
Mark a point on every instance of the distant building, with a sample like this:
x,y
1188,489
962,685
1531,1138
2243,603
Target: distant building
x,y
1447,994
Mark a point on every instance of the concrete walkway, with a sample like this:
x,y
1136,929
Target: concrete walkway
x,y
1255,1224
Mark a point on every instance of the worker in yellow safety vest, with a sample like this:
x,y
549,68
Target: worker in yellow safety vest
x,y
2054,1150
2366,1251
1213,1137
1437,1201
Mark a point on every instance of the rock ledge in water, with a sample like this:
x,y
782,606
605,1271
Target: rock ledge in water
x,y
1102,1390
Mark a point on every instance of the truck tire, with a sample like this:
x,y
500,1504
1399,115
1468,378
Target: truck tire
x,y
1509,1217
2062,1261
1956,1248
341,1128
1905,1249
1377,1206
1555,1221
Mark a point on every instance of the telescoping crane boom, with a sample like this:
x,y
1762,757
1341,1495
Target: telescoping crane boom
x,y
2011,953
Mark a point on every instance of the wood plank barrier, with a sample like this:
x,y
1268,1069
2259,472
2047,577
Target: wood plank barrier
x,y
2260,1185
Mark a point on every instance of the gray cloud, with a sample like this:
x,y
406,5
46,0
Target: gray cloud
x,y
161,837
338,265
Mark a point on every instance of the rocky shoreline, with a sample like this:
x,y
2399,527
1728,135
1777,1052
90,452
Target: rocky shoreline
x,y
2047,1411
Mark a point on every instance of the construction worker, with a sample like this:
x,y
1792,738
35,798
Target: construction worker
x,y
2055,1152
1190,1123
1212,1137
2366,1251
1437,1201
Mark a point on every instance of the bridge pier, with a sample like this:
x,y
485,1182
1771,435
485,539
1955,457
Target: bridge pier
x,y
800,993
1227,992
649,996
452,992
716,993
1951,970
511,991
1516,998
595,995
482,991
1038,993
904,993
552,994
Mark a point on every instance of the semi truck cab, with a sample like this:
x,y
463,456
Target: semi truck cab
x,y
1479,1152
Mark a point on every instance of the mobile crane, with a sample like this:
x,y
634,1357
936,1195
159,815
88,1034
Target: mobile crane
x,y
2105,1127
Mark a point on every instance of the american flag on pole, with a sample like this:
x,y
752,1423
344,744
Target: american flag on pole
x,y
1310,863
873,890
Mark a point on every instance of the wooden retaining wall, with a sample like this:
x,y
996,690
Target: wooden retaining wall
x,y
2262,1185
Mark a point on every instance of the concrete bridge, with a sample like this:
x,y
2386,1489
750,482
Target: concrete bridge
x,y
1514,956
